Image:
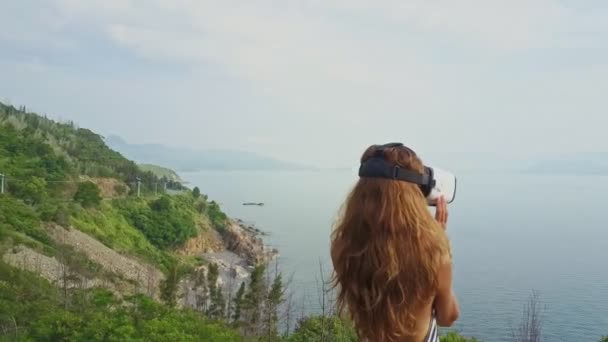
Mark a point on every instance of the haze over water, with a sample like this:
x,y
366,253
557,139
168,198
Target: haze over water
x,y
510,234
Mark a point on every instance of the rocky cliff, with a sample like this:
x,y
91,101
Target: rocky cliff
x,y
247,243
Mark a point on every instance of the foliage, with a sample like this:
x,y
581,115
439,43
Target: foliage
x,y
29,163
252,302
160,171
18,219
196,192
108,225
273,301
88,194
238,302
604,339
321,328
168,288
166,222
216,309
216,215
31,311
454,337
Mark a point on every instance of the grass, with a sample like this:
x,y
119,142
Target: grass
x,y
160,171
107,225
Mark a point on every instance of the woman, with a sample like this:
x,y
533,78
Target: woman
x,y
392,259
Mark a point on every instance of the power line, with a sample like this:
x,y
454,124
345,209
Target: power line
x,y
4,179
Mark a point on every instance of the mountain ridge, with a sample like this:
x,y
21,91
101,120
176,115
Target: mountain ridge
x,y
183,159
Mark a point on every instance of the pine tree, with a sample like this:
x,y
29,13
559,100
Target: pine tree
x,y
274,300
253,302
238,303
169,287
200,282
216,309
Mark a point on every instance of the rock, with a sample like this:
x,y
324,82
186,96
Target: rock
x,y
239,239
56,272
207,241
129,268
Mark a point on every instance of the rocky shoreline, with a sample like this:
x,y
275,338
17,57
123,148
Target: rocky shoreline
x,y
242,248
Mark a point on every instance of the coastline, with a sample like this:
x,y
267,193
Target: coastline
x,y
236,255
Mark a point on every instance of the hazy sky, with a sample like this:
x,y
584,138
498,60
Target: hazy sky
x,y
317,81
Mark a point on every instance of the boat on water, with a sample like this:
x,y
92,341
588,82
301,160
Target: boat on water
x,y
252,203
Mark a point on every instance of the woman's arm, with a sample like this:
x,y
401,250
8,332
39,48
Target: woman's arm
x,y
446,304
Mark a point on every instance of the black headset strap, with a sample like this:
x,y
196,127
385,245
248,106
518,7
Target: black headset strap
x,y
377,167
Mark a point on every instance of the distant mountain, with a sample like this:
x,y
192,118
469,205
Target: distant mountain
x,y
184,159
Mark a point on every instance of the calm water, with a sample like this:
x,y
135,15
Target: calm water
x,y
510,235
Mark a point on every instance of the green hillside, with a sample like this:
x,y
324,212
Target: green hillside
x,y
54,176
161,172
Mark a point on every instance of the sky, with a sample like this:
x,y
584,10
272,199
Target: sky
x,y
316,82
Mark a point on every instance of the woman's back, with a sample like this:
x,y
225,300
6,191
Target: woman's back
x,y
391,258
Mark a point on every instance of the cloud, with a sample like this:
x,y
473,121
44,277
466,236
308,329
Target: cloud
x,y
501,25
291,70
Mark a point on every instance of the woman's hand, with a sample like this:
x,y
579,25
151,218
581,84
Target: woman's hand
x,y
441,212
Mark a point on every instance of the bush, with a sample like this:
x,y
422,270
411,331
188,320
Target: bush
x,y
216,215
165,222
43,316
88,194
454,337
19,217
317,328
108,225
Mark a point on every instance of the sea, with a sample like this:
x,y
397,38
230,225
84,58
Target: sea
x,y
512,235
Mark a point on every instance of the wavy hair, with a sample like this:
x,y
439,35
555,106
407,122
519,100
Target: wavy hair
x,y
386,250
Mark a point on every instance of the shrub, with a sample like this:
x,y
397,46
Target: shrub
x,y
319,328
454,337
165,222
88,194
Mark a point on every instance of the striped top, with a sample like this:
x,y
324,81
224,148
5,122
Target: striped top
x,y
432,334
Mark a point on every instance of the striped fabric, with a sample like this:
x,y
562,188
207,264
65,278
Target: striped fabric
x,y
432,334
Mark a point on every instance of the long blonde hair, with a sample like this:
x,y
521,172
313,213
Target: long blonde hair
x,y
386,250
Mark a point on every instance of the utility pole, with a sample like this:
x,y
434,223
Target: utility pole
x,y
1,183
138,186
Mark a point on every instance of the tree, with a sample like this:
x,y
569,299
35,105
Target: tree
x,y
168,289
88,194
238,303
161,204
202,296
530,329
216,309
196,192
254,300
273,301
33,191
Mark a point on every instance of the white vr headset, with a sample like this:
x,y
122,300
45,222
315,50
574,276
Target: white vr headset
x,y
434,183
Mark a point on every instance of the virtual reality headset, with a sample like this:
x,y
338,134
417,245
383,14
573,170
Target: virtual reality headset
x,y
433,183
